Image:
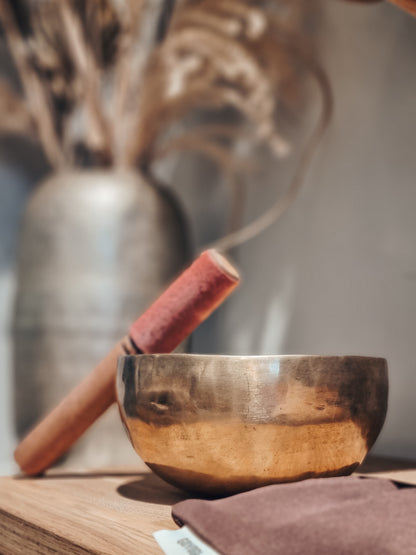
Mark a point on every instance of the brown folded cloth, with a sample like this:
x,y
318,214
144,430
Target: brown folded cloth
x,y
336,516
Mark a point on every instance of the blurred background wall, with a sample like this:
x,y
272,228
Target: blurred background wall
x,y
337,274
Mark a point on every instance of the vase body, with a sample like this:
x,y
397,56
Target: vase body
x,y
96,248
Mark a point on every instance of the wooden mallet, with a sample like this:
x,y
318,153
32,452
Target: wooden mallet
x,y
187,302
407,5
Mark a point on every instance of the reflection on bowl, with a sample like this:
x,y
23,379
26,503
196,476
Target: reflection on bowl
x,y
224,424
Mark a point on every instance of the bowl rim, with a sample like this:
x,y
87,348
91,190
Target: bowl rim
x,y
253,357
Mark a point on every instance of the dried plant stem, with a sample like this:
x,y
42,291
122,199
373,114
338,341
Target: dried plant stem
x,y
232,165
165,19
237,203
215,152
15,117
200,140
153,18
269,217
98,135
36,96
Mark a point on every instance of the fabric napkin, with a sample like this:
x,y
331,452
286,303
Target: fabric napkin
x,y
334,516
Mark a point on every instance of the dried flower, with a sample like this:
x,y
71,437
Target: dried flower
x,y
93,77
116,82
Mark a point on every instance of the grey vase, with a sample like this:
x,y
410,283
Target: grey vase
x,y
96,248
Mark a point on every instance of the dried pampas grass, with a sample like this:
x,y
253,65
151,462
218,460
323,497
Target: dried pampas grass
x,y
99,78
118,82
219,54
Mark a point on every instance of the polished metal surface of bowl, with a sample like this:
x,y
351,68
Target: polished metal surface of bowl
x,y
224,424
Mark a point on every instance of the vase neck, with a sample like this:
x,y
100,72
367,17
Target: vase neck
x,y
88,158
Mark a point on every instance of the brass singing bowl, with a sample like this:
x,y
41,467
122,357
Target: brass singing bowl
x,y
224,424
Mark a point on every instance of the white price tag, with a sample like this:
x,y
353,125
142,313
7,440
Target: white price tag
x,y
182,542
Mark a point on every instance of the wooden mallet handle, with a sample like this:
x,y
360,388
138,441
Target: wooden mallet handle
x,y
187,302
407,5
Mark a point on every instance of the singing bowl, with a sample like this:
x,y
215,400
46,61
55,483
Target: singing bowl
x,y
220,425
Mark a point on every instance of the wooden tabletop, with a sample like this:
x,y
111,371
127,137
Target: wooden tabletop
x,y
106,512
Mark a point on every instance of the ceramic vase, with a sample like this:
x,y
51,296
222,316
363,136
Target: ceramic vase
x,y
96,248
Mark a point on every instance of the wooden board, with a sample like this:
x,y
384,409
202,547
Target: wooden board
x,y
106,512
111,513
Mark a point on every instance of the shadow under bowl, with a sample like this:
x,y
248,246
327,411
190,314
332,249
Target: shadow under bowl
x,y
219,425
